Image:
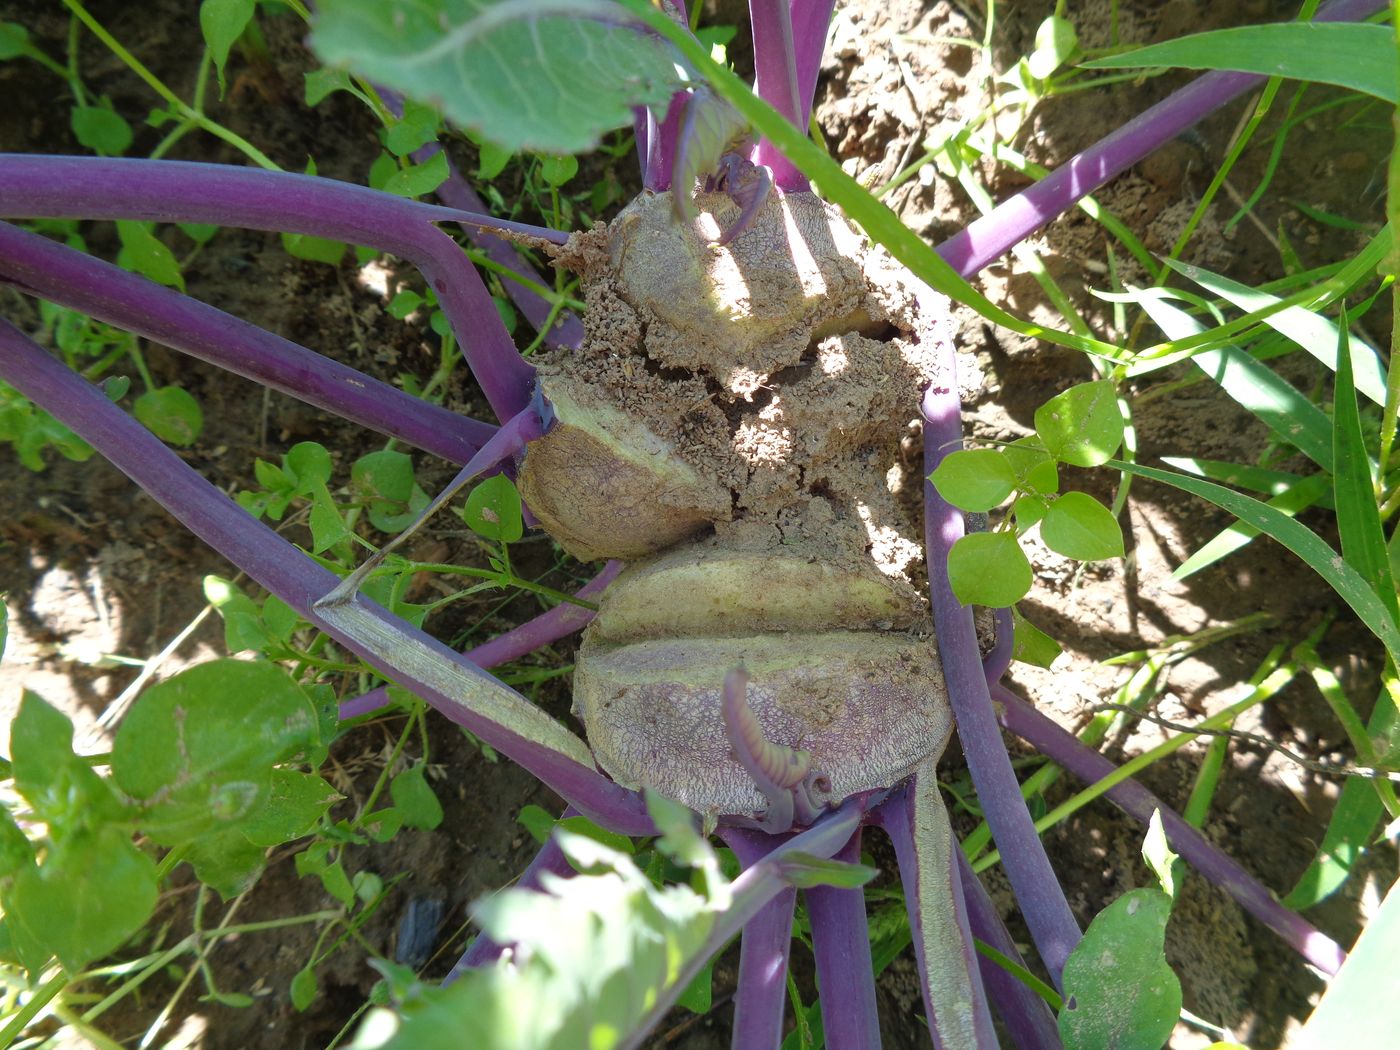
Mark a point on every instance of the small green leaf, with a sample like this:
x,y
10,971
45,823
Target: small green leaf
x,y
337,883
243,622
1055,41
383,824
64,790
280,619
94,890
417,127
142,252
1033,646
1360,1008
327,526
493,510
989,568
322,83
367,885
313,249
1083,425
698,996
14,41
237,1000
415,799
383,475
805,871
1079,526
101,129
303,988
199,232
16,851
171,413
309,466
974,479
1159,856
295,803
402,304
418,179
1119,991
580,825
557,169
225,861
491,161
222,22
1035,469
537,821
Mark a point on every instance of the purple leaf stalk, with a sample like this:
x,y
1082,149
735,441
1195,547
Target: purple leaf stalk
x,y
946,904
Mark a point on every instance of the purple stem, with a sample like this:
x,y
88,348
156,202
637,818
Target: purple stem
x,y
563,620
295,578
549,860
995,233
662,140
1061,747
1037,890
181,191
775,81
810,21
456,192
901,819
845,973
761,997
39,266
752,891
1027,1016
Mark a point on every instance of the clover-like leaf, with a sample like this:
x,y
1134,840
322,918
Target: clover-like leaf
x,y
1083,425
1079,526
975,479
989,568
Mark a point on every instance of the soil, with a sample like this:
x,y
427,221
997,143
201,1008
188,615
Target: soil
x,y
91,569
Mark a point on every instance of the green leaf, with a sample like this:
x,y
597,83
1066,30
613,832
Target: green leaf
x,y
1353,492
1302,541
1360,57
64,790
222,22
493,510
327,526
303,988
171,413
1079,526
296,802
418,179
1120,994
698,997
322,83
1083,425
1349,834
400,306
101,129
199,232
416,128
537,821
974,479
337,883
142,252
1313,332
16,851
415,799
14,41
1055,41
94,890
989,568
1360,1007
225,861
1306,493
1032,645
557,169
198,748
491,161
524,74
581,825
313,249
805,871
309,465
1159,856
243,623
279,619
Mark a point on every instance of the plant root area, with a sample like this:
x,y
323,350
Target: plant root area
x,y
91,569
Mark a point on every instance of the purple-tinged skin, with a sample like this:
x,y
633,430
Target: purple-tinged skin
x,y
550,860
1042,901
913,817
997,662
1026,1016
279,567
38,266
811,19
845,973
776,82
456,192
1061,747
748,184
661,144
181,191
760,999
782,775
1011,222
560,622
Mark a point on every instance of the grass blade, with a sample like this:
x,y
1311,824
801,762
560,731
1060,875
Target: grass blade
x,y
1313,332
1302,541
1257,479
1348,834
1293,499
1360,57
1256,387
1358,515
